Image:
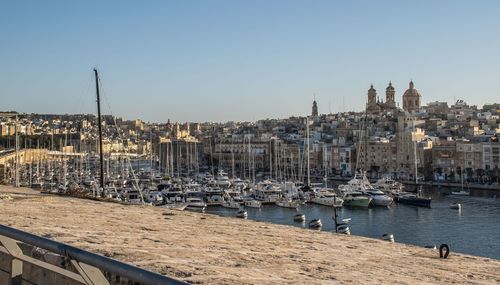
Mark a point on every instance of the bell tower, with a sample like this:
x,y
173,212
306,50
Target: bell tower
x,y
389,96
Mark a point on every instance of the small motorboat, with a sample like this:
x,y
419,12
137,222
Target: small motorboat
x,y
344,229
460,193
388,237
456,206
316,223
242,214
299,218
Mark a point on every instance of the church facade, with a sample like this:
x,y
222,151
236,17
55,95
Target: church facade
x,y
411,100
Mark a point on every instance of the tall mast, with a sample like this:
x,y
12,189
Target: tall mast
x,y
415,152
17,162
99,125
463,167
307,152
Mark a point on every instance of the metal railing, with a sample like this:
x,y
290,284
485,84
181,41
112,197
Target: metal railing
x,y
90,266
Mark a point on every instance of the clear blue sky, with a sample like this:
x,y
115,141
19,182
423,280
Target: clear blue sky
x,y
243,60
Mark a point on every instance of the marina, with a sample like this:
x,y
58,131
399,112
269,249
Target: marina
x,y
419,226
450,218
249,142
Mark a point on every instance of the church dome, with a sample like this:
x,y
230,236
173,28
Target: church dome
x,y
411,92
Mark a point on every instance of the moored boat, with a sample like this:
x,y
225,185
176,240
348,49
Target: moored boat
x,y
299,218
460,193
242,214
231,204
316,223
326,198
287,203
379,198
414,200
344,229
195,204
253,203
356,199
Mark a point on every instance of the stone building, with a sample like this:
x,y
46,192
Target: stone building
x,y
376,156
314,109
343,159
411,99
375,105
407,138
443,159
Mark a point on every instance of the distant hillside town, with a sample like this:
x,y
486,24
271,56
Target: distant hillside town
x,y
444,142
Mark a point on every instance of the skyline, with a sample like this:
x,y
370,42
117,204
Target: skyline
x,y
242,61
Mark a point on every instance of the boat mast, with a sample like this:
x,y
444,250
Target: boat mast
x,y
415,152
99,125
17,162
463,168
307,152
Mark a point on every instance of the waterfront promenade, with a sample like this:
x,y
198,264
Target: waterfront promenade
x,y
208,249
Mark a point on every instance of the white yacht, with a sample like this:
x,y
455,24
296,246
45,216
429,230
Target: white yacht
x,y
268,195
379,198
195,203
214,196
231,204
326,197
222,180
389,186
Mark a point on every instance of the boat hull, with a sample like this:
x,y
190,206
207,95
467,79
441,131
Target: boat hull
x,y
460,193
383,202
365,202
414,201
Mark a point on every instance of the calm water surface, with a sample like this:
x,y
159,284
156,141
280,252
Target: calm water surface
x,y
475,229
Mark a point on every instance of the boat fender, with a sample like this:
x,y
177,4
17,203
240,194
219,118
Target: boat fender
x,y
447,251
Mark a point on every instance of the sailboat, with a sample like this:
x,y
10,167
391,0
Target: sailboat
x,y
414,199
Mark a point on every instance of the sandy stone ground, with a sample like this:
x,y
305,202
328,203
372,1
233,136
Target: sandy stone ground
x,y
207,249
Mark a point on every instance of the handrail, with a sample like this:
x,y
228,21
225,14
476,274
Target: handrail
x,y
104,263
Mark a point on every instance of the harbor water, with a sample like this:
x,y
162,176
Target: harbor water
x,y
474,229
